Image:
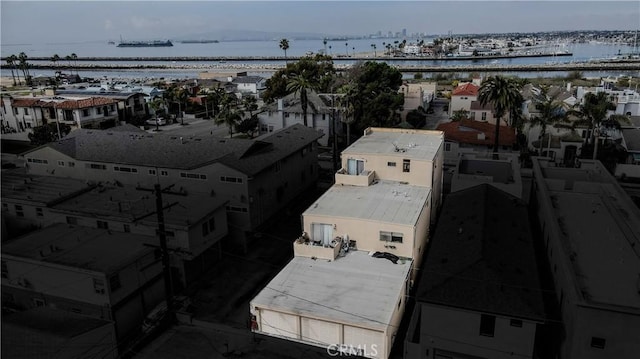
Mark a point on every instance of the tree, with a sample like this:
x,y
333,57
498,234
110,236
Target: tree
x,y
10,62
230,114
74,57
346,49
213,98
372,91
156,105
44,134
324,42
55,58
24,66
181,96
460,115
550,112
374,50
417,117
504,94
301,83
591,113
248,126
284,45
319,69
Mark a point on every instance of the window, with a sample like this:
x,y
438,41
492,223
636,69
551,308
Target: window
x,y
164,173
270,128
98,286
598,342
85,112
205,228
19,211
103,225
193,175
126,228
72,220
516,323
391,164
125,169
237,209
5,270
15,110
38,302
230,179
25,111
447,147
484,116
37,160
112,108
487,325
99,110
96,166
114,282
355,167
39,212
72,164
391,237
406,165
61,163
212,224
152,172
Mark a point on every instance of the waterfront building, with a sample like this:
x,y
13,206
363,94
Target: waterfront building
x,y
361,244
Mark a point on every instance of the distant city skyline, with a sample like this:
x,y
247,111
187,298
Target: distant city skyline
x,y
37,22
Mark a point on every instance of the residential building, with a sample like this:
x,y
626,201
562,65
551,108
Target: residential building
x,y
479,295
44,332
474,169
563,148
475,136
287,111
462,96
84,112
484,113
630,169
589,230
417,95
131,102
94,272
257,177
249,85
362,240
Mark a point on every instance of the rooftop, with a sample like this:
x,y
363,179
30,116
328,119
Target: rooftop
x,y
410,144
482,257
599,225
62,102
129,204
43,190
467,89
467,131
92,249
42,332
343,290
384,201
167,151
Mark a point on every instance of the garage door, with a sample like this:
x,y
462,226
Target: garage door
x,y
279,323
370,341
320,332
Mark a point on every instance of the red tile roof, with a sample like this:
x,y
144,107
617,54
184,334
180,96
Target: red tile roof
x,y
66,104
466,131
467,89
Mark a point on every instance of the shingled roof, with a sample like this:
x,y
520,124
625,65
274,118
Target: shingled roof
x,y
167,151
467,131
63,103
482,256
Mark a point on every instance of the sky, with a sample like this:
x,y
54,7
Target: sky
x,y
76,21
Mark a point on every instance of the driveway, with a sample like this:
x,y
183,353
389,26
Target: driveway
x,y
438,115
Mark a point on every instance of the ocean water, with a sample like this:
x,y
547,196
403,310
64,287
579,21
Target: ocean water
x,y
340,50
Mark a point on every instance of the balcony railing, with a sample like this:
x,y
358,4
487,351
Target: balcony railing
x,y
307,248
365,178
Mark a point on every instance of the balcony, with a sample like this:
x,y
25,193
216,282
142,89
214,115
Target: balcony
x,y
303,247
365,178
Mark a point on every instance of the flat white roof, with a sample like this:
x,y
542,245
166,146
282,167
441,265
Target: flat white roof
x,y
409,144
384,201
356,289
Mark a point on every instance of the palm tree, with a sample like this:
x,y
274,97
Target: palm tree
x,y
374,50
74,57
346,48
156,105
324,42
229,114
214,98
182,95
24,66
330,49
11,64
284,45
591,113
550,112
504,94
301,82
55,58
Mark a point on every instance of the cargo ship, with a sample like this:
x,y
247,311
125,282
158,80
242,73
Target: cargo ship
x,y
155,43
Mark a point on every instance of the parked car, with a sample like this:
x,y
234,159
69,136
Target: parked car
x,y
160,121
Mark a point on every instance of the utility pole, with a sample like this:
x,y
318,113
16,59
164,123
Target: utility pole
x,y
166,264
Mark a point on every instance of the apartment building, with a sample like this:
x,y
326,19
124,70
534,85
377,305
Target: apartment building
x,y
479,295
462,97
590,234
94,272
345,289
473,136
256,177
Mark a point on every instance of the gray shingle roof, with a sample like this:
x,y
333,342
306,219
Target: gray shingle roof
x,y
489,265
247,79
316,104
167,151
